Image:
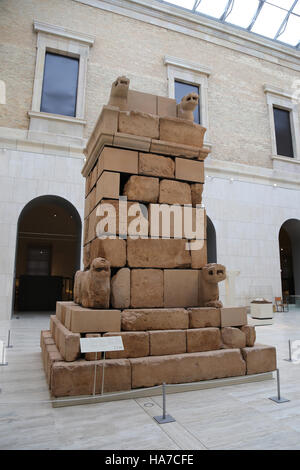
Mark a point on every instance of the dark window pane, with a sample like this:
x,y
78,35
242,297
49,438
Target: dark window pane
x,y
60,85
38,261
283,133
182,89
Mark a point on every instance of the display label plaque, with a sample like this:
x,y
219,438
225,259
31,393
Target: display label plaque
x,y
108,343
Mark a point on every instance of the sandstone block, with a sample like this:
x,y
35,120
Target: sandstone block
x,y
174,192
197,190
86,320
260,358
233,337
67,343
138,123
250,334
120,289
191,367
147,288
156,165
108,186
180,288
87,256
143,102
203,339
61,308
165,342
130,141
176,221
189,170
142,188
136,344
166,107
181,131
77,378
174,149
92,356
199,256
154,319
204,317
94,177
119,160
157,253
233,316
113,250
90,202
53,323
107,123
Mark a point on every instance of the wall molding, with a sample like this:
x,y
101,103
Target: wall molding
x,y
63,32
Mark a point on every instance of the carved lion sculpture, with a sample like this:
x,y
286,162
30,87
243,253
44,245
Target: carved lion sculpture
x,y
119,93
92,287
186,107
209,277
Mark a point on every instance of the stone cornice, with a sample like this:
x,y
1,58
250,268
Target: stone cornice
x,y
169,60
185,22
63,32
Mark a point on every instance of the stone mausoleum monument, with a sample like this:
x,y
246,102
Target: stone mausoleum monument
x,y
146,276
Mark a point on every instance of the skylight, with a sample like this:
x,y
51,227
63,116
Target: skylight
x,y
274,19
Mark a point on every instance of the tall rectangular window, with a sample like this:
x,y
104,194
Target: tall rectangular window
x,y
284,140
59,91
38,261
182,89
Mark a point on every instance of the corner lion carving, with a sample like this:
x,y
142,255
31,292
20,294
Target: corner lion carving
x,y
209,277
92,287
119,93
186,107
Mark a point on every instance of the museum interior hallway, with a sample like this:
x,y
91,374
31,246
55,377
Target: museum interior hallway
x,y
205,419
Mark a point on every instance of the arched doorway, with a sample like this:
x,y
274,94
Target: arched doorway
x,y
47,253
289,247
211,241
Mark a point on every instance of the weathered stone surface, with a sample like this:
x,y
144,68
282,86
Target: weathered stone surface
x,y
199,256
92,356
180,287
189,170
166,106
147,288
233,337
156,165
204,317
120,289
164,342
203,339
174,149
138,123
108,186
119,160
233,316
136,344
192,367
157,253
87,256
77,378
142,188
87,320
67,342
61,308
181,131
50,353
174,192
197,190
154,319
250,334
92,287
113,250
260,358
209,277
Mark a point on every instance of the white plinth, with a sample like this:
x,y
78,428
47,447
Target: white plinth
x,y
261,310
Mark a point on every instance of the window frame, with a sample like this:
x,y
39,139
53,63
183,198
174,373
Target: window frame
x,y
192,74
283,100
62,41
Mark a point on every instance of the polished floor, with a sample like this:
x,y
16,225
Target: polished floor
x,y
230,417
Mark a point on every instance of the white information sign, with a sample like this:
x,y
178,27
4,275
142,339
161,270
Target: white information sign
x,y
108,343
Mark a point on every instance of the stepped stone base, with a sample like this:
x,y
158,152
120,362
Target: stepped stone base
x,y
171,345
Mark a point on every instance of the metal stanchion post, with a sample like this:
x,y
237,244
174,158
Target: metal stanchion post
x,y
8,340
164,418
278,399
102,388
95,372
3,356
290,353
